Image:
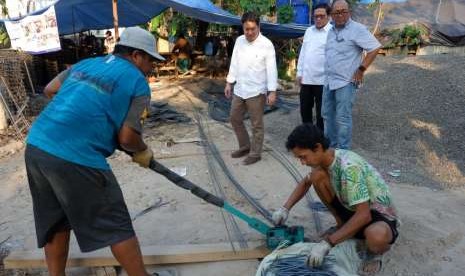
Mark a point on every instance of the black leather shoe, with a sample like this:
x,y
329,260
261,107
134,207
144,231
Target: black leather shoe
x,y
251,159
239,153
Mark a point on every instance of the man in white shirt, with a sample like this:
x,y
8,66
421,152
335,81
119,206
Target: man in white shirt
x,y
109,42
311,66
254,77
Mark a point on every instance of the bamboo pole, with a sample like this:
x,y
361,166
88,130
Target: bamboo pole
x,y
115,18
378,20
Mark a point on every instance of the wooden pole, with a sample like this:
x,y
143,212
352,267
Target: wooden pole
x,y
115,18
378,20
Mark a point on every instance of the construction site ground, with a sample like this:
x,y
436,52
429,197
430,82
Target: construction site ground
x,y
409,122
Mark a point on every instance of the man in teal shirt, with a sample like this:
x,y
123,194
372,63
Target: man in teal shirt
x,y
98,105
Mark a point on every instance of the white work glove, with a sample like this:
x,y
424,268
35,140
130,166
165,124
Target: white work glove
x,y
280,216
318,253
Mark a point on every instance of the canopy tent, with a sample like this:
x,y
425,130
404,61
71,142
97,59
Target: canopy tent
x,y
81,15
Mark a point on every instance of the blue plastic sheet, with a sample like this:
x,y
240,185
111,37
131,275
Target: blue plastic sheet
x,y
81,15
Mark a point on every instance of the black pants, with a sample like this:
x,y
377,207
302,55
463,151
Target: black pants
x,y
345,214
310,96
68,196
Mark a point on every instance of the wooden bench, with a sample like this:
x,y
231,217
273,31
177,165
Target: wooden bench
x,y
167,66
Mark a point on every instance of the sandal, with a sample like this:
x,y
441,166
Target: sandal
x,y
372,261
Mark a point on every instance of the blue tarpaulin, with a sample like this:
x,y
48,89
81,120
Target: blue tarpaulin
x,y
81,15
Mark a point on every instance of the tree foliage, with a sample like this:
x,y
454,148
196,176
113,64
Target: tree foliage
x,y
173,23
261,7
3,8
4,38
410,35
285,14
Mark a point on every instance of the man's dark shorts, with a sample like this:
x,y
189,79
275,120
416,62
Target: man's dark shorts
x,y
376,216
68,196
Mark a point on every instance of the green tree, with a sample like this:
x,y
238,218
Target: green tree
x,y
174,22
3,8
285,14
262,7
4,39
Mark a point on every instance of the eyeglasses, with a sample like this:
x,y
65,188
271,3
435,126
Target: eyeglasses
x,y
340,13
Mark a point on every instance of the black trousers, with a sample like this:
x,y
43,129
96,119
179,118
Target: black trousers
x,y
310,97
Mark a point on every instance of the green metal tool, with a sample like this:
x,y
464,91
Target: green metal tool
x,y
274,235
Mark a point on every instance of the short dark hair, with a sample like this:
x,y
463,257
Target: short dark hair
x,y
108,33
306,136
335,1
124,50
250,16
324,6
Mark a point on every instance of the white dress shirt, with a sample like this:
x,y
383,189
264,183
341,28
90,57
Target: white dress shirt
x,y
311,64
253,67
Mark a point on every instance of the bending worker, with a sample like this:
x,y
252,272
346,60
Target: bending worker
x,y
353,191
98,105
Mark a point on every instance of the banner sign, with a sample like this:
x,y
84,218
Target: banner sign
x,y
35,34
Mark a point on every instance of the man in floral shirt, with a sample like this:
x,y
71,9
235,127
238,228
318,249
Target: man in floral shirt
x,y
353,191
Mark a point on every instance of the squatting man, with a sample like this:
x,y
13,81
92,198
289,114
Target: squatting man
x,y
352,190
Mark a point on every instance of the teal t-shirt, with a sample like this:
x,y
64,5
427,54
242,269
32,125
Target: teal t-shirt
x,y
82,122
355,181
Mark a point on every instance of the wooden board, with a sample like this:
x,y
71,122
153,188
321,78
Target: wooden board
x,y
153,255
104,271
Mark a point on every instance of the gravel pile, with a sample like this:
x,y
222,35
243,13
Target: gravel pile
x,y
409,116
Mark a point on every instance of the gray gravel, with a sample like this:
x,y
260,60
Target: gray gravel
x,y
409,115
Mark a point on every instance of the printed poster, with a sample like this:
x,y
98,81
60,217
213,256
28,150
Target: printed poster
x,y
35,34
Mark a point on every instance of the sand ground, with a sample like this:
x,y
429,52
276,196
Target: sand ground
x,y
406,121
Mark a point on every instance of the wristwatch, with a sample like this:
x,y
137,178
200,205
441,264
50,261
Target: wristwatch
x,y
362,68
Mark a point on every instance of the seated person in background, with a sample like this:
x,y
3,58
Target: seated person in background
x,y
208,49
353,191
183,50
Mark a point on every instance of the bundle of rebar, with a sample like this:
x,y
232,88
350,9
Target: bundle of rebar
x,y
297,266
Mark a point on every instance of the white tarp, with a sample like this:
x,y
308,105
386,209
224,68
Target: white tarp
x,y
342,260
35,34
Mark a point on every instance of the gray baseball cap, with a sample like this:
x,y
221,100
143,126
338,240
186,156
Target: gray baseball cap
x,y
141,39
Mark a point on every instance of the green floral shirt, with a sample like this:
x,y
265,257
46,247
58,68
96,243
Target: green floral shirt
x,y
355,181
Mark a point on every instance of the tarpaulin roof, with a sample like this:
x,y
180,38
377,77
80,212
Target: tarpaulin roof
x,y
80,15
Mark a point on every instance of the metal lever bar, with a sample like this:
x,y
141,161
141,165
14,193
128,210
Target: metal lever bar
x,y
186,184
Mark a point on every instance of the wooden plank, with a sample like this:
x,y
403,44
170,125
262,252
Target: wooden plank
x,y
104,271
153,255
